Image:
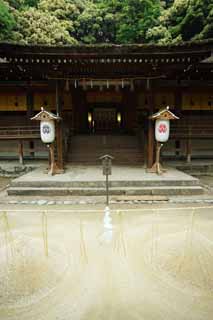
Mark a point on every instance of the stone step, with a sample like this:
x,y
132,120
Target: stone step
x,y
53,191
101,183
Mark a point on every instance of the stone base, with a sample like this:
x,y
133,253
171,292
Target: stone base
x,y
88,180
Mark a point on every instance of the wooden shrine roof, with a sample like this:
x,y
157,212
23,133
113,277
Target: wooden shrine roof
x,y
199,48
108,49
104,60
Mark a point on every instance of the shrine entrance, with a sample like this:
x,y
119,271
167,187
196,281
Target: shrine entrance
x,y
104,111
104,119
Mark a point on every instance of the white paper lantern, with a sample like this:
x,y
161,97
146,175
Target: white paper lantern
x,y
47,131
162,128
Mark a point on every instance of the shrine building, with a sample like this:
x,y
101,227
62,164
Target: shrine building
x,y
105,95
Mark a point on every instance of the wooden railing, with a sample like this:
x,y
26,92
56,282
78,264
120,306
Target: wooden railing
x,y
19,133
192,132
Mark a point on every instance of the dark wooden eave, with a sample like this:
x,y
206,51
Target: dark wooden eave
x,y
106,60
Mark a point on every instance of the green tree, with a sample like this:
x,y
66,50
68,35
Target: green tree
x,y
7,22
101,21
184,20
40,27
132,18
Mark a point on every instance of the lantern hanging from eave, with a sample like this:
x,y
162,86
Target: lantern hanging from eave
x,y
162,124
47,125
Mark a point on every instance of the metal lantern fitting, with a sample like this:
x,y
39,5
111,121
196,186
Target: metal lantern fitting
x,y
47,131
162,130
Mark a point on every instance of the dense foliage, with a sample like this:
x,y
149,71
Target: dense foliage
x,y
7,22
101,21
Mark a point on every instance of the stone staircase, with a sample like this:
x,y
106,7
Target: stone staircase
x,y
88,180
125,149
47,190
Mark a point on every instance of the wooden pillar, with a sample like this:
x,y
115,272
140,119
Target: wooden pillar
x,y
178,108
74,109
59,124
30,107
150,150
57,97
53,168
151,143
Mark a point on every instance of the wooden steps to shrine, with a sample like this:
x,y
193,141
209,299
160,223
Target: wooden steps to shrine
x,y
125,149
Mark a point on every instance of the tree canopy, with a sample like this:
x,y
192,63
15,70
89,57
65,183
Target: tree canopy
x,y
7,21
61,22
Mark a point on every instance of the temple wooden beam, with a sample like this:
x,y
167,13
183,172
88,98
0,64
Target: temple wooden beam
x,y
59,133
150,149
30,108
178,109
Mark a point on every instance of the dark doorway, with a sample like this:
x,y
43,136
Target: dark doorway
x,y
103,118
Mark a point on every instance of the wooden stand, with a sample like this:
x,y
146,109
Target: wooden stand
x,y
53,166
157,167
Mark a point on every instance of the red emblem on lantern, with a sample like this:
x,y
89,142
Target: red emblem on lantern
x,y
162,128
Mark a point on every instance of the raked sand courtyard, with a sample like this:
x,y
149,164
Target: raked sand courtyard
x,y
142,264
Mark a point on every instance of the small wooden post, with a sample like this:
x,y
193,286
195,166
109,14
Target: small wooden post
x,y
157,167
52,160
59,133
178,108
150,149
151,142
20,152
30,106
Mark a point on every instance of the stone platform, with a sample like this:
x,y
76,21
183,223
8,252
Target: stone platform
x,y
80,180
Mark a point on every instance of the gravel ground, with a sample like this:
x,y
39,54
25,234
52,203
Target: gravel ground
x,y
150,263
